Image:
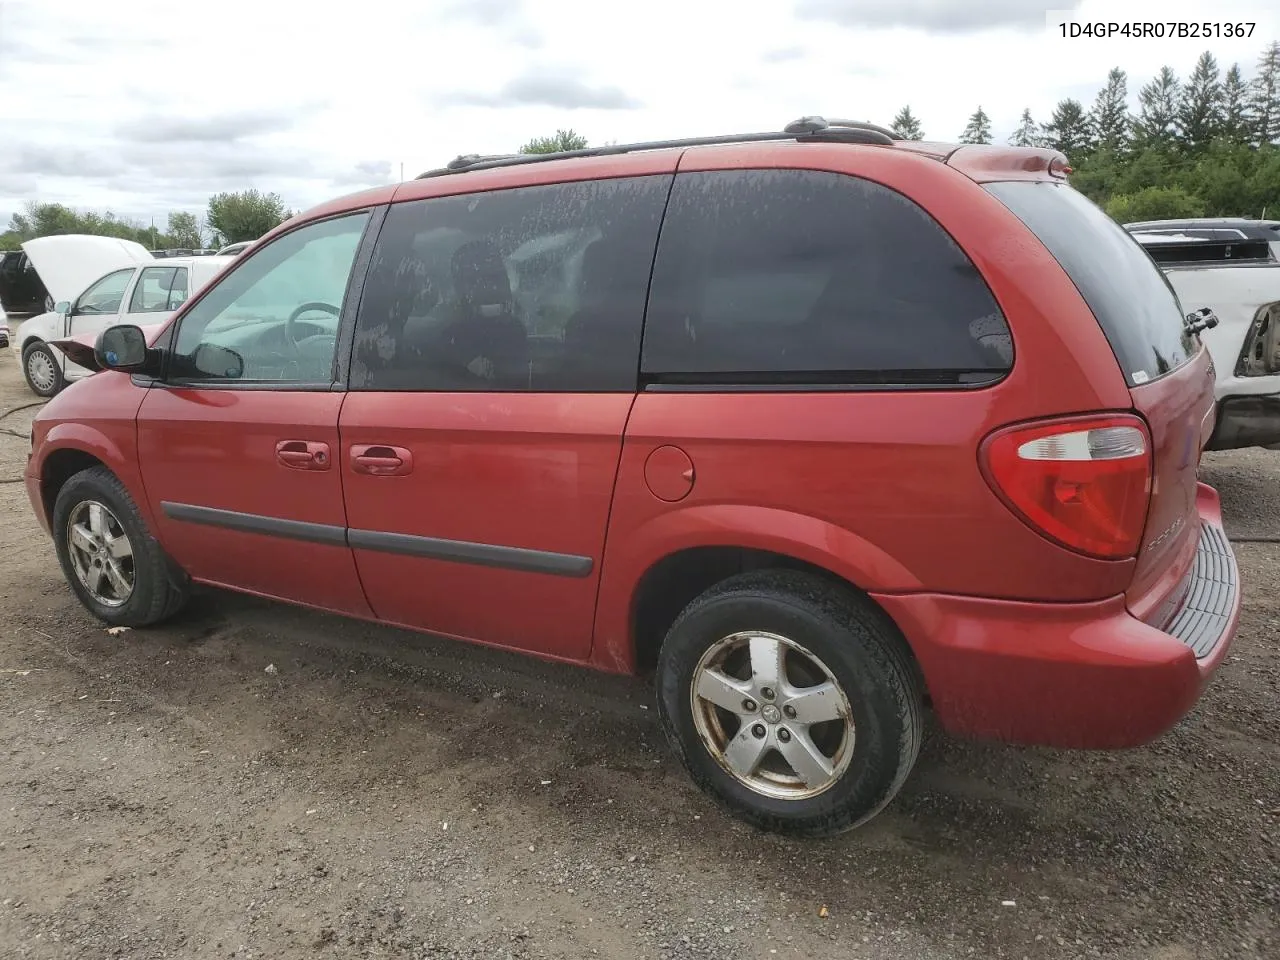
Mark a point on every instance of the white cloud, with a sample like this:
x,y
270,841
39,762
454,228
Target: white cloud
x,y
143,106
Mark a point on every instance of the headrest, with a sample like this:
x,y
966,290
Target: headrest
x,y
480,277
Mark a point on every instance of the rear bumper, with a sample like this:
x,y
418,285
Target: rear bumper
x,y
1246,421
1086,676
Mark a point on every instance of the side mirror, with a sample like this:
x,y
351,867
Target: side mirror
x,y
122,347
62,307
212,360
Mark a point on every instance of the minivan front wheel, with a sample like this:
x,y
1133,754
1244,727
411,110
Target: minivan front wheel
x,y
116,568
792,701
41,370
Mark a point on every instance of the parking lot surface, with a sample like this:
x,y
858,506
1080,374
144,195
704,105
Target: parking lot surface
x,y
254,780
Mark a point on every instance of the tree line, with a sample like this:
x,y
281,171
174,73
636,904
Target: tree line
x,y
1208,145
229,218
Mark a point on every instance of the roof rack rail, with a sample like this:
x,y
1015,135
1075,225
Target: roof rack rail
x,y
804,130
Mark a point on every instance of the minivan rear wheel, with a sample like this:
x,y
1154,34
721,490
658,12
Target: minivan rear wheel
x,y
116,568
792,701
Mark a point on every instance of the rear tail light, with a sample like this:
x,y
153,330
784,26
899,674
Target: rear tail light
x,y
1082,482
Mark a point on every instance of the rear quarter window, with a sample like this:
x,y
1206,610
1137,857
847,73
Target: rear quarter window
x,y
800,277
1129,295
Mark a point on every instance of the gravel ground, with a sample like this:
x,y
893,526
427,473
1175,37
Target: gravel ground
x,y
259,781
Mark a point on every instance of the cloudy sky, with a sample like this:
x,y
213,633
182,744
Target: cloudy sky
x,y
142,106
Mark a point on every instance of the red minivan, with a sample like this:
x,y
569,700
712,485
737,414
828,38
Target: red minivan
x,y
821,426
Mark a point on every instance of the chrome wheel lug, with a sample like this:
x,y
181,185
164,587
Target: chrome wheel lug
x,y
749,706
789,711
758,731
767,693
784,735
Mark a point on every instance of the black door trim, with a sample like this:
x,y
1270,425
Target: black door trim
x,y
432,548
462,551
255,523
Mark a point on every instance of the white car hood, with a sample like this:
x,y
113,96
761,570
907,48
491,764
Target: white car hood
x,y
68,264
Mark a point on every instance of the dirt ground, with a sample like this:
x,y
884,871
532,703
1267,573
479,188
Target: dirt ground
x,y
382,794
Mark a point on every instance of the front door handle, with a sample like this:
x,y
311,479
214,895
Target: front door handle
x,y
380,460
303,454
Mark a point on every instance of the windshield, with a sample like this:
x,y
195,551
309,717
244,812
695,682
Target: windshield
x,y
1128,294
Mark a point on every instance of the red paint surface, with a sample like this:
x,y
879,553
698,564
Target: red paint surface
x,y
1017,637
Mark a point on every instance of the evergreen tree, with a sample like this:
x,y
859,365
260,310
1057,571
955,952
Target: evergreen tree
x,y
1235,106
1110,114
1264,104
1069,130
1028,132
978,129
1200,110
906,125
1158,107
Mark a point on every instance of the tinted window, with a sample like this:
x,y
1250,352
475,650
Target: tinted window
x,y
1131,298
275,317
807,277
537,288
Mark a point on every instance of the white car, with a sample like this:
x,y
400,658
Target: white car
x,y
98,282
1238,279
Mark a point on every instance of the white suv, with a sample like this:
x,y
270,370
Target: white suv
x,y
1231,267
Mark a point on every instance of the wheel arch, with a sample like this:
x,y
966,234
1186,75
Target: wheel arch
x,y
71,447
677,556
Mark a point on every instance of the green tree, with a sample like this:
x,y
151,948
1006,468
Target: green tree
x,y
234,217
1158,111
1028,132
561,142
1264,102
1200,111
978,129
1155,203
1110,114
1069,131
906,125
183,231
1235,107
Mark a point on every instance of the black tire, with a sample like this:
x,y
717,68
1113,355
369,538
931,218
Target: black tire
x,y
50,388
159,588
861,649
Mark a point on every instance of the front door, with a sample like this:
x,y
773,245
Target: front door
x,y
494,368
96,309
239,442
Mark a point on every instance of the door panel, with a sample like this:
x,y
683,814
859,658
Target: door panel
x,y
493,370
230,511
238,445
496,531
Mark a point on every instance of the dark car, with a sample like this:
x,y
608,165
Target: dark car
x,y
819,426
22,291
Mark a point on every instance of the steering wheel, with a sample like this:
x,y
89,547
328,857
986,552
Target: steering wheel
x,y
290,325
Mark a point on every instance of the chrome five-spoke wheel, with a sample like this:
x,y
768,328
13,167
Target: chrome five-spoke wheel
x,y
100,552
773,715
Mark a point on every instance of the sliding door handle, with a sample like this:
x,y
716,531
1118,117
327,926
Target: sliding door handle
x,y
380,460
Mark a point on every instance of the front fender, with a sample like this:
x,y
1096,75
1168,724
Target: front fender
x,y
97,418
631,553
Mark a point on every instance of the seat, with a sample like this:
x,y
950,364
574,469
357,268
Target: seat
x,y
482,338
